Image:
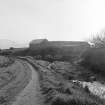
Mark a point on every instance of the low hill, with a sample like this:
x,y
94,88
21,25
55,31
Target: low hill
x,y
54,50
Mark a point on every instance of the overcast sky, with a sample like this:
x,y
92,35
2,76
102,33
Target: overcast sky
x,y
24,20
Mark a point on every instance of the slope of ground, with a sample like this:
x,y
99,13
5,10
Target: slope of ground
x,y
37,82
13,79
57,87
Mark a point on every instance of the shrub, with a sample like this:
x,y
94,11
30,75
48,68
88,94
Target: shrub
x,y
94,59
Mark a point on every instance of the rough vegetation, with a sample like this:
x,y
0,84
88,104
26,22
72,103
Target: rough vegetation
x,y
13,78
6,61
94,59
66,74
57,86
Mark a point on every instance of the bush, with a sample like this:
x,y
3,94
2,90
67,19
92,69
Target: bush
x,y
94,59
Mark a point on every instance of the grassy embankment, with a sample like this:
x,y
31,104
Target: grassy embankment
x,y
57,87
13,79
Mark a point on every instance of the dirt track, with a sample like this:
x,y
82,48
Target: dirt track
x,y
30,94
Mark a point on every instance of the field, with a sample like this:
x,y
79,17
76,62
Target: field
x,y
52,75
57,86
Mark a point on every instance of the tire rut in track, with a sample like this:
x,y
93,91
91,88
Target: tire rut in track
x,y
30,95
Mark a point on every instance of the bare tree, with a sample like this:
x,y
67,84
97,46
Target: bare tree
x,y
99,39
